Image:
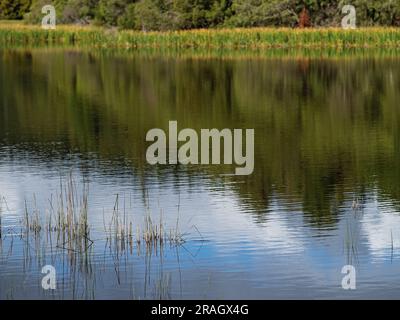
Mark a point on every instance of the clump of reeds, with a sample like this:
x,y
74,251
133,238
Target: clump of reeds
x,y
32,221
72,211
156,233
69,219
152,234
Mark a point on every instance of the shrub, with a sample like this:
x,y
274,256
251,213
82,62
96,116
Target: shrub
x,y
14,9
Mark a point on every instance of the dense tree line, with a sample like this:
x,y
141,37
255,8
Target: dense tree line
x,y
189,14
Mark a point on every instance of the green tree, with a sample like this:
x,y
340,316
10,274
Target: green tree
x,y
373,13
129,19
108,11
149,15
35,14
82,11
200,13
219,12
254,13
14,9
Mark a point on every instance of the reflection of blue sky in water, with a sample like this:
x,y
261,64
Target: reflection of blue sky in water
x,y
281,256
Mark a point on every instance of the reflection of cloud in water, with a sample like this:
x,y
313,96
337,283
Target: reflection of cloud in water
x,y
279,232
243,252
9,191
17,185
217,214
379,223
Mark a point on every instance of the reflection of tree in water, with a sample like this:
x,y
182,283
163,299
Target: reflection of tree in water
x,y
323,127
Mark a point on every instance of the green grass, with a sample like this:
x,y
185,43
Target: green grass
x,y
255,38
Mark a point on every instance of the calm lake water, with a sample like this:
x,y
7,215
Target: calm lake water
x,y
325,191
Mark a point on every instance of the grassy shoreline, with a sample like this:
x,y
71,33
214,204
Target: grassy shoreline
x,y
254,38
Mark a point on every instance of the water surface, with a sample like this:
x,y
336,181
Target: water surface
x,y
327,134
